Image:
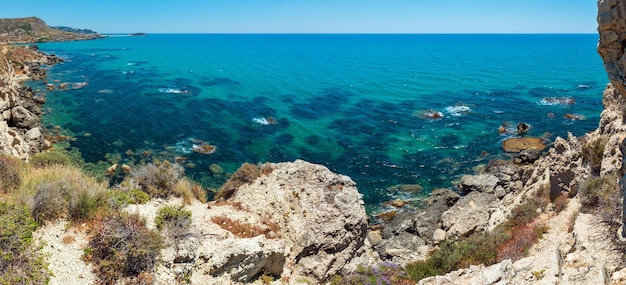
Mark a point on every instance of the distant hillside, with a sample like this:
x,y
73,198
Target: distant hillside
x,y
34,30
74,30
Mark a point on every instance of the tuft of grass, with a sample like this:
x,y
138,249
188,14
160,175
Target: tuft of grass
x,y
189,191
20,261
123,247
61,191
10,174
246,174
158,179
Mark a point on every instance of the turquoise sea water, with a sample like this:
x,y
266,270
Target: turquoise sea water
x,y
353,103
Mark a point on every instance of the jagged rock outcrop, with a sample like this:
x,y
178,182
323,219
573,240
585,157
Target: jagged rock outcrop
x,y
296,219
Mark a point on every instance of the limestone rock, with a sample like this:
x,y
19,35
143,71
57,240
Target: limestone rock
x,y
483,183
470,214
410,236
612,29
321,215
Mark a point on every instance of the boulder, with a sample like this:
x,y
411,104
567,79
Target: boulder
x,y
470,214
483,183
320,215
23,118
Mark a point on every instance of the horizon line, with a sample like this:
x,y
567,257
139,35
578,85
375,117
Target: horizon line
x,y
346,33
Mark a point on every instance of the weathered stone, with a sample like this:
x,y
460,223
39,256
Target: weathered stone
x,y
483,183
23,118
468,215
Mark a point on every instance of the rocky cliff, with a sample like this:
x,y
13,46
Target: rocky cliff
x,y
21,133
33,29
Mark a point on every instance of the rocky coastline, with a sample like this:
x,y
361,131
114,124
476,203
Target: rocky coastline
x,y
304,224
21,132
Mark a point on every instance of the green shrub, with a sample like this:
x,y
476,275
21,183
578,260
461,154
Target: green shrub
x,y
158,179
246,174
50,157
20,260
10,174
125,193
122,246
175,220
593,152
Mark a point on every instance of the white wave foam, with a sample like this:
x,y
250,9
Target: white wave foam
x,y
172,91
264,121
184,146
457,111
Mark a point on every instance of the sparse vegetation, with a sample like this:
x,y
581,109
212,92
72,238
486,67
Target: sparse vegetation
x,y
592,153
20,260
122,247
247,230
602,195
246,174
385,273
50,157
511,239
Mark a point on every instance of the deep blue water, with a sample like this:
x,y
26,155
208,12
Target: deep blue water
x,y
353,103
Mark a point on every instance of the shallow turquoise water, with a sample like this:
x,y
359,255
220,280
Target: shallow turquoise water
x,y
351,102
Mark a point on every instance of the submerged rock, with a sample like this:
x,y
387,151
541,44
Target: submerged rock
x,y
525,143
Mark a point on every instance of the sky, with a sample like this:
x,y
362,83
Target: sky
x,y
313,16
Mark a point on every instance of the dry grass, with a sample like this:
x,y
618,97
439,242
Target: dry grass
x,y
10,174
189,191
246,174
247,230
69,239
61,191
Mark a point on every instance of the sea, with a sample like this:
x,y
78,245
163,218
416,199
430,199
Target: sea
x,y
383,109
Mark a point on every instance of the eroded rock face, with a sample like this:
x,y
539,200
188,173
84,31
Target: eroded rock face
x,y
320,214
612,29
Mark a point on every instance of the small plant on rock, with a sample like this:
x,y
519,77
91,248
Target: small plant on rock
x,y
174,220
593,152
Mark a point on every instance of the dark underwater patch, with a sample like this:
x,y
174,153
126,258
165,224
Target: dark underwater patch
x,y
327,102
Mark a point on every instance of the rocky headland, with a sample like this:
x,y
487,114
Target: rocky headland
x,y
35,30
299,223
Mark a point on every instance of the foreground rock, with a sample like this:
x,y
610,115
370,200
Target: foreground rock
x,y
300,220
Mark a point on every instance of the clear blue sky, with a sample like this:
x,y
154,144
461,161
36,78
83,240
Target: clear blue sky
x,y
314,16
